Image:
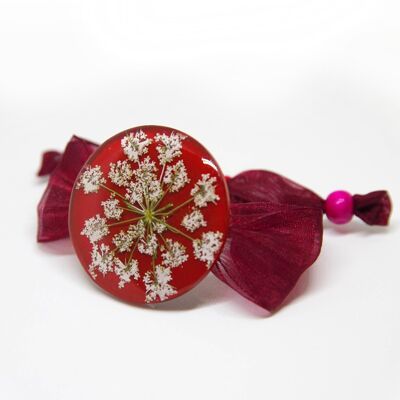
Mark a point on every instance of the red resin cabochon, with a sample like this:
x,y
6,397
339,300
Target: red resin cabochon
x,y
149,214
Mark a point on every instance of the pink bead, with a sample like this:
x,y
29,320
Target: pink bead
x,y
339,207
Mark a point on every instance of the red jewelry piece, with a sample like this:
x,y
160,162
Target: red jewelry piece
x,y
149,216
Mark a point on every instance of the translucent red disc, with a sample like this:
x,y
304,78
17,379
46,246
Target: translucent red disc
x,y
149,214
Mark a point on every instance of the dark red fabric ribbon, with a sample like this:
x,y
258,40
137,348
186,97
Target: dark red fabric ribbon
x,y
275,232
54,204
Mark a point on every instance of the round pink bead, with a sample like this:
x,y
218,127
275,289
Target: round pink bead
x,y
339,207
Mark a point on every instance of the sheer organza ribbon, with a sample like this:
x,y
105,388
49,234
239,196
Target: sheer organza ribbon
x,y
275,231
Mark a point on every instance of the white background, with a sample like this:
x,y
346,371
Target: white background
x,y
310,89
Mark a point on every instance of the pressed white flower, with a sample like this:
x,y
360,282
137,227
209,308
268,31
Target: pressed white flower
x,y
91,179
148,245
206,247
194,220
102,260
120,173
111,208
157,284
145,173
126,272
147,184
123,241
138,230
135,144
159,227
204,191
134,193
154,190
174,254
95,228
170,146
176,176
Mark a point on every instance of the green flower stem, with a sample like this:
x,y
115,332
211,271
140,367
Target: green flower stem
x,y
134,209
162,173
146,196
162,196
188,201
133,250
114,250
175,230
153,265
127,209
126,221
165,242
113,191
161,210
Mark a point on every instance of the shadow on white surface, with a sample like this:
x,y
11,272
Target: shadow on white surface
x,y
210,291
358,227
58,247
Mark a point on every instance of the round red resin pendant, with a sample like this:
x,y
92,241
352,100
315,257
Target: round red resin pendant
x,y
149,214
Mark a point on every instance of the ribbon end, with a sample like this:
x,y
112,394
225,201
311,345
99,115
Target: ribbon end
x,y
63,169
373,208
50,160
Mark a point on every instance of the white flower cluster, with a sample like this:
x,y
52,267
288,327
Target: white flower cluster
x,y
204,191
154,190
174,254
95,228
126,272
135,144
157,284
137,231
120,173
148,245
145,173
91,179
206,248
159,227
170,146
104,261
176,176
194,220
124,240
147,185
111,208
135,193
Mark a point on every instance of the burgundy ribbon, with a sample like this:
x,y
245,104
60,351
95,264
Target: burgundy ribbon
x,y
275,231
54,204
